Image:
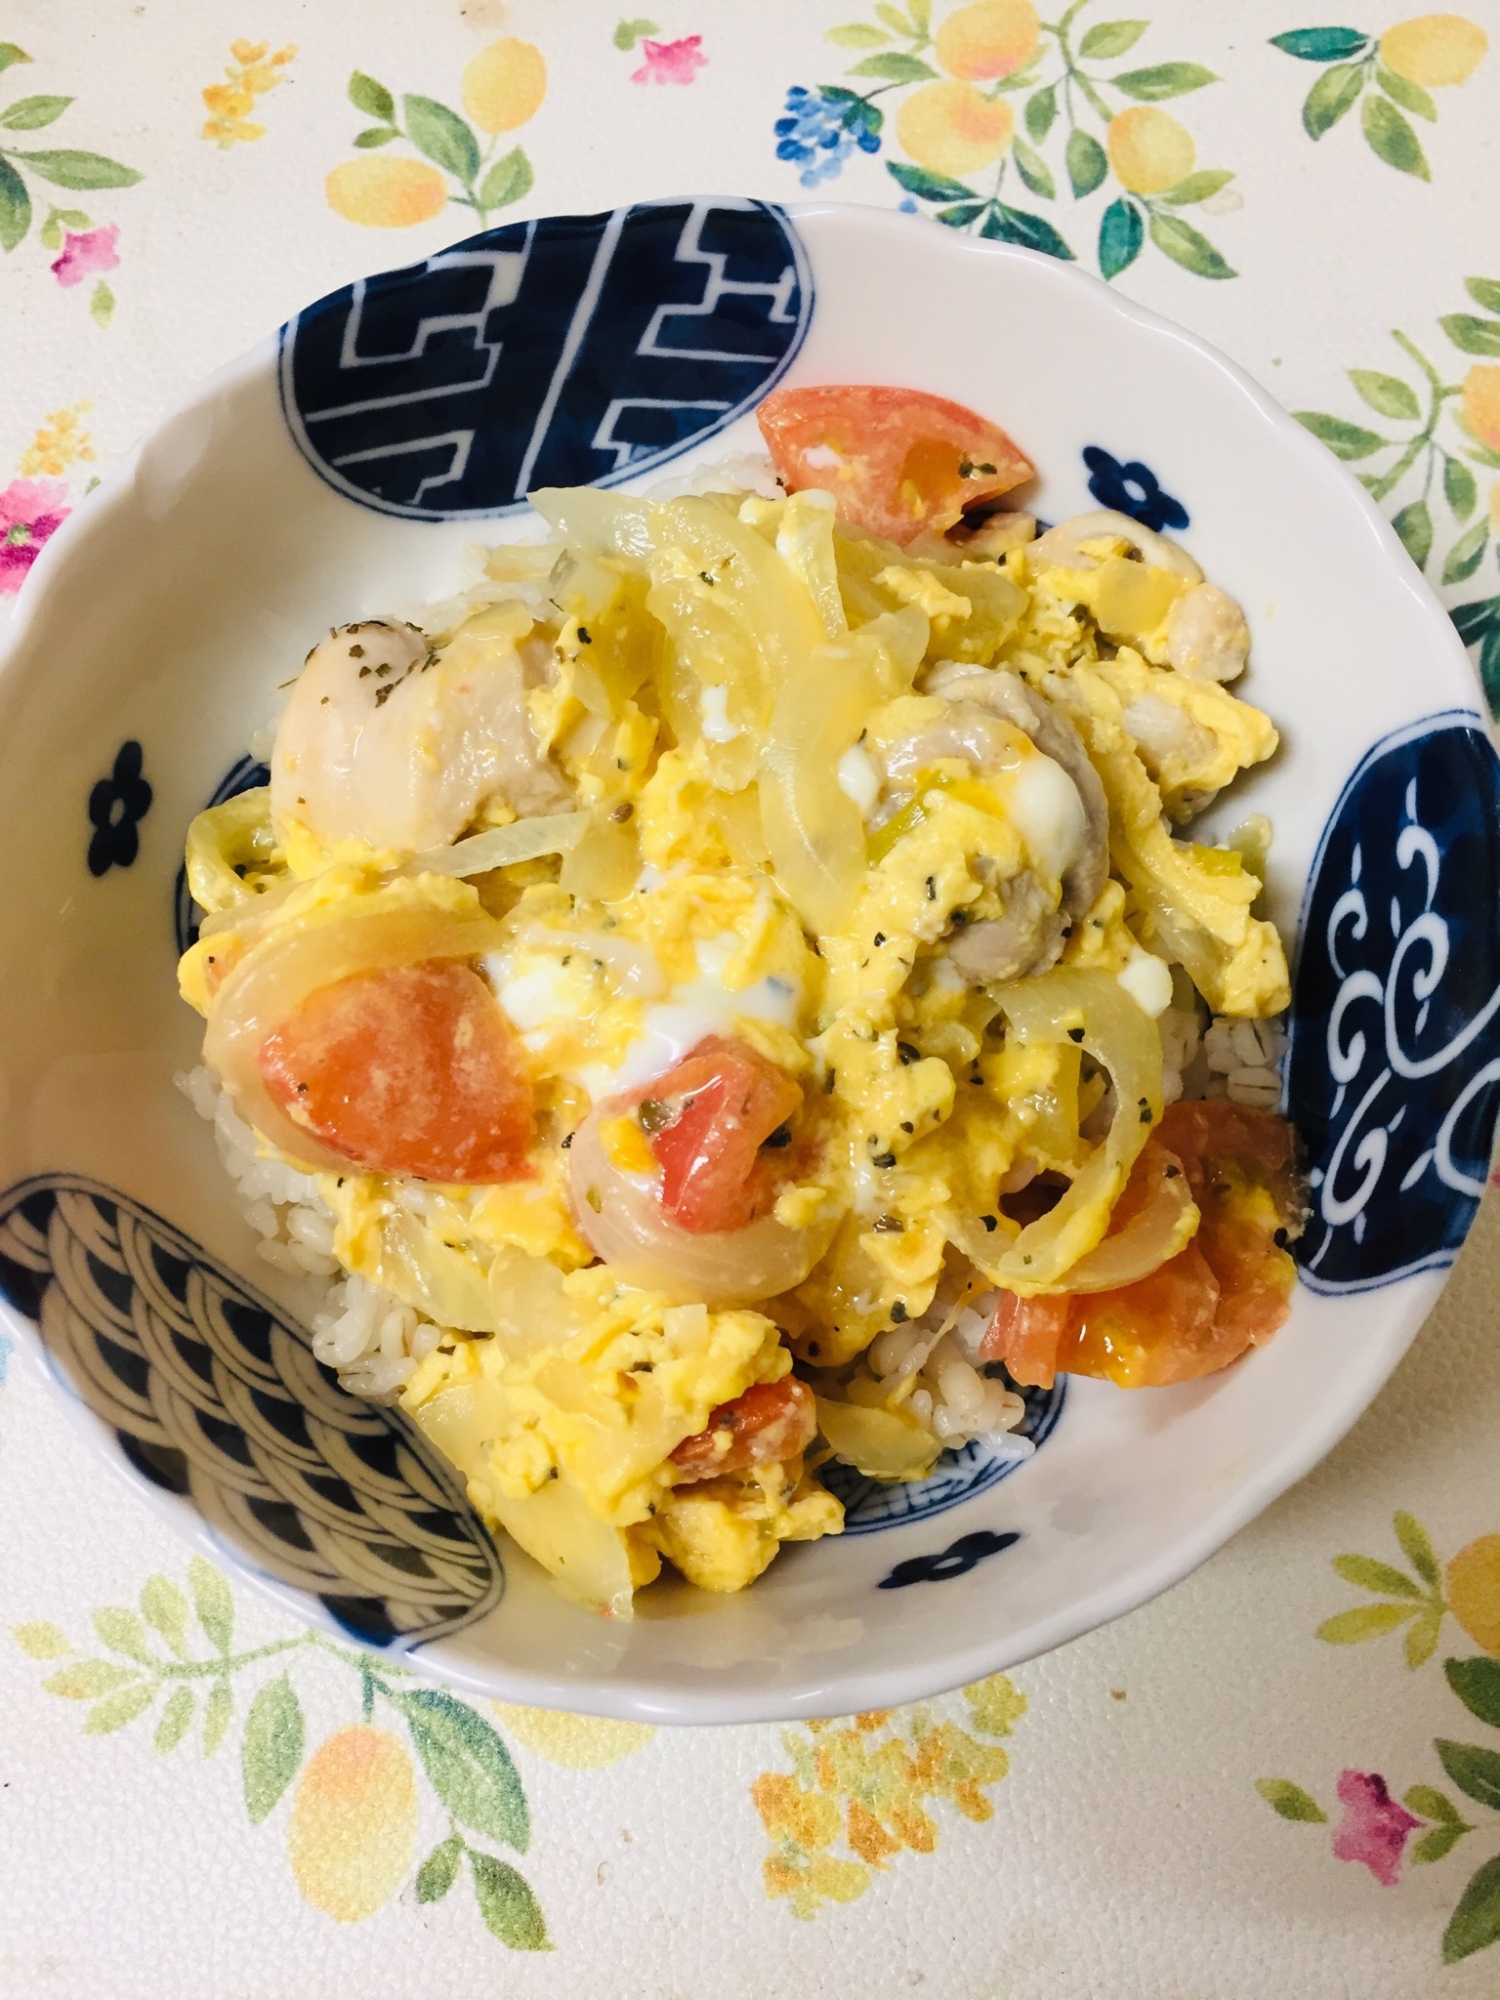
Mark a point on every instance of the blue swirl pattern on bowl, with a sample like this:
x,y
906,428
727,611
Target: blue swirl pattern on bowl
x,y
1394,1072
575,351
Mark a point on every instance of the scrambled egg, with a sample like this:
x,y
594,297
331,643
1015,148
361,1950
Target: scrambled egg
x,y
778,822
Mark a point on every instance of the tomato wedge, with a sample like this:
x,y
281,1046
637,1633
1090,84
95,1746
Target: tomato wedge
x,y
769,1423
707,1121
409,1070
897,461
1230,1289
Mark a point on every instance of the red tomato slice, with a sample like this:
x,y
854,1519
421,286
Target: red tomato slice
x,y
768,1424
1230,1289
708,1120
410,1070
897,461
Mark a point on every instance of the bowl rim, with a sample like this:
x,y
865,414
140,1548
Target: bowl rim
x,y
836,1693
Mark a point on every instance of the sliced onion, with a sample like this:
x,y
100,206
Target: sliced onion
x,y
614,524
644,1247
1060,547
882,1444
1165,1223
522,840
1118,1034
266,984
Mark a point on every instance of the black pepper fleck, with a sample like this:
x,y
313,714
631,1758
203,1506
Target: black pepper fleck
x,y
991,1222
1075,1034
898,1311
907,1053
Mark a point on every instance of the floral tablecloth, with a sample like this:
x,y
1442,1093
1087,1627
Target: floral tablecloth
x,y
1284,1777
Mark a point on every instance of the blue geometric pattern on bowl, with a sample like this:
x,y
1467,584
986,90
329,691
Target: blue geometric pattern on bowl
x,y
1394,1073
575,351
247,774
872,1504
214,1395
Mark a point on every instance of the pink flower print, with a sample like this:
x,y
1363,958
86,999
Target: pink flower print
x,y
30,511
1374,1828
671,62
84,255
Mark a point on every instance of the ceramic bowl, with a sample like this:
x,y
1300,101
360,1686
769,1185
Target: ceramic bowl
x,y
344,464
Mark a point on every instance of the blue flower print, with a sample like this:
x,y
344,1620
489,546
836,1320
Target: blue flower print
x,y
956,1560
822,128
117,805
1132,489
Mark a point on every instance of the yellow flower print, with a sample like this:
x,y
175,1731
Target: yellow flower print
x,y
1435,50
576,1742
1473,1576
62,441
502,87
253,72
992,38
1148,150
872,1781
354,1822
952,128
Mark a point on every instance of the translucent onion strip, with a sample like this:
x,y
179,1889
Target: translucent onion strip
x,y
522,840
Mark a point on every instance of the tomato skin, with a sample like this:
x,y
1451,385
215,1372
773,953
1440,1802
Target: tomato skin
x,y
1228,1290
897,455
711,1116
408,1070
771,1422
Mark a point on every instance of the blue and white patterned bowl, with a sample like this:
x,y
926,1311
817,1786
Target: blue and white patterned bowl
x,y
343,465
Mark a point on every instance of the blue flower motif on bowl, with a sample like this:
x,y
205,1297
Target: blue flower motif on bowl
x,y
117,805
1394,1071
1134,489
573,351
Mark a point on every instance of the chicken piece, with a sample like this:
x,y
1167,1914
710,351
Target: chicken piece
x,y
387,742
1207,637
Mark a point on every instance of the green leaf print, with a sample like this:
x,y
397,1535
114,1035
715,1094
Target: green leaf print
x,y
41,1640
375,135
1282,1796
507,1905
469,1765
217,1714
101,304
1392,139
1414,525
509,179
15,207
1344,439
1477,1685
1474,1770
1032,232
894,68
439,1871
961,214
628,33
1033,169
1331,97
117,1709
1365,1621
88,1680
9,54
1321,45
124,1632
79,170
1484,292
1392,398
213,1601
1422,1636
442,135
1410,96
1475,1924
1188,247
1041,109
1173,79
926,186
1111,38
1087,162
1121,234
29,114
271,1750
1459,488
176,1720
366,95
1437,1842
1467,553
1198,187
1435,1805
854,35
1472,334
165,1610
1416,1546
